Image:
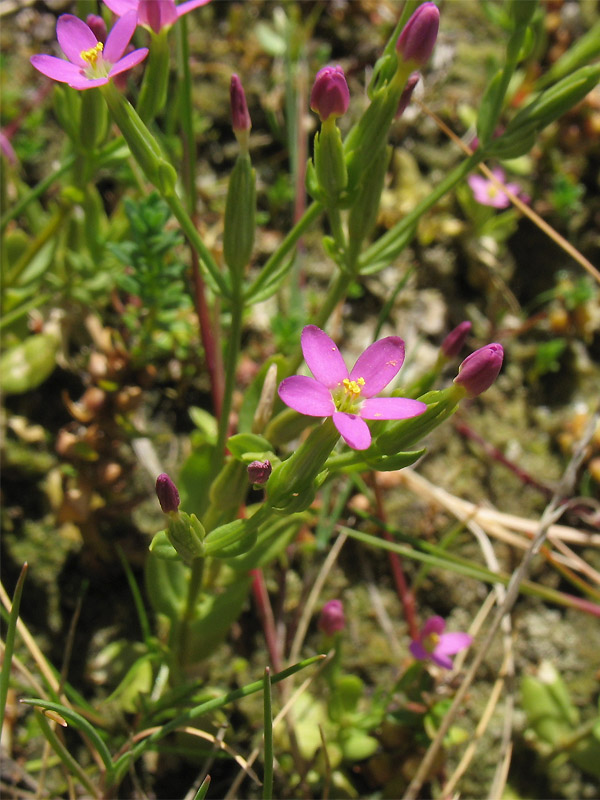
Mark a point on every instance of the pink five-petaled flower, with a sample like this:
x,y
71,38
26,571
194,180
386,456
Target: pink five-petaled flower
x,y
348,398
488,194
435,645
91,63
154,14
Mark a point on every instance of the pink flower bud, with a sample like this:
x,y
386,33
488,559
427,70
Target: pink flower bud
x,y
479,370
418,36
240,117
452,344
332,619
167,493
97,26
259,471
330,94
407,93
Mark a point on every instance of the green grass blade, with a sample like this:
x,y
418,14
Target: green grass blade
x,y
268,727
64,755
201,793
10,642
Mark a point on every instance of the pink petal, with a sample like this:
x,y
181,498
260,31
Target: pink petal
x,y
392,408
418,651
157,14
433,625
74,36
120,7
306,395
379,364
322,356
441,660
353,430
190,5
128,61
81,82
56,68
451,643
499,174
119,37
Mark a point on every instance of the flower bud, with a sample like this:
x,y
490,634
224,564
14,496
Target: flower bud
x,y
332,619
167,493
452,344
418,37
259,471
479,370
240,118
330,94
407,93
97,26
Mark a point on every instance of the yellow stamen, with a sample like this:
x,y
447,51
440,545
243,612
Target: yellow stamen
x,y
353,387
91,55
431,642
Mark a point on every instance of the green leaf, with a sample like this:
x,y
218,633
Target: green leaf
x,y
28,364
162,547
242,443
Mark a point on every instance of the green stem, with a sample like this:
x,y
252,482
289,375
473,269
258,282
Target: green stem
x,y
10,641
61,751
235,337
193,592
272,263
335,220
386,246
34,248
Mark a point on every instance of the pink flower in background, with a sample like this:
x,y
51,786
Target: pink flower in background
x,y
91,63
488,194
435,645
331,618
154,14
348,398
452,344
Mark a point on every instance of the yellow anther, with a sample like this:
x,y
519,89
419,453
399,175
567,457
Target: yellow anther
x,y
431,642
91,55
353,387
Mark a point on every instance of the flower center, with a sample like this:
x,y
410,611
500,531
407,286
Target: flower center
x,y
431,642
353,387
91,55
492,191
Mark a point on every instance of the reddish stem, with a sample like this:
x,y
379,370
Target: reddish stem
x,y
493,452
405,594
265,612
214,359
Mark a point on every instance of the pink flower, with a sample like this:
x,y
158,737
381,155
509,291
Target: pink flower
x,y
479,370
154,14
91,63
488,194
240,117
435,645
330,93
331,618
348,398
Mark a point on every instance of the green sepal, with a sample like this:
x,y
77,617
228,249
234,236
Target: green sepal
x,y
311,182
93,125
186,534
162,548
153,93
237,537
330,162
240,216
364,210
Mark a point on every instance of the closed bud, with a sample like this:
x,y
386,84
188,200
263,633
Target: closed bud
x,y
330,94
407,93
240,118
167,493
453,343
332,619
259,471
97,26
479,370
419,35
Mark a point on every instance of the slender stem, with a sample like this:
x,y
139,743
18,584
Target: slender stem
x,y
268,733
335,220
265,612
37,190
34,248
273,262
193,591
235,336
